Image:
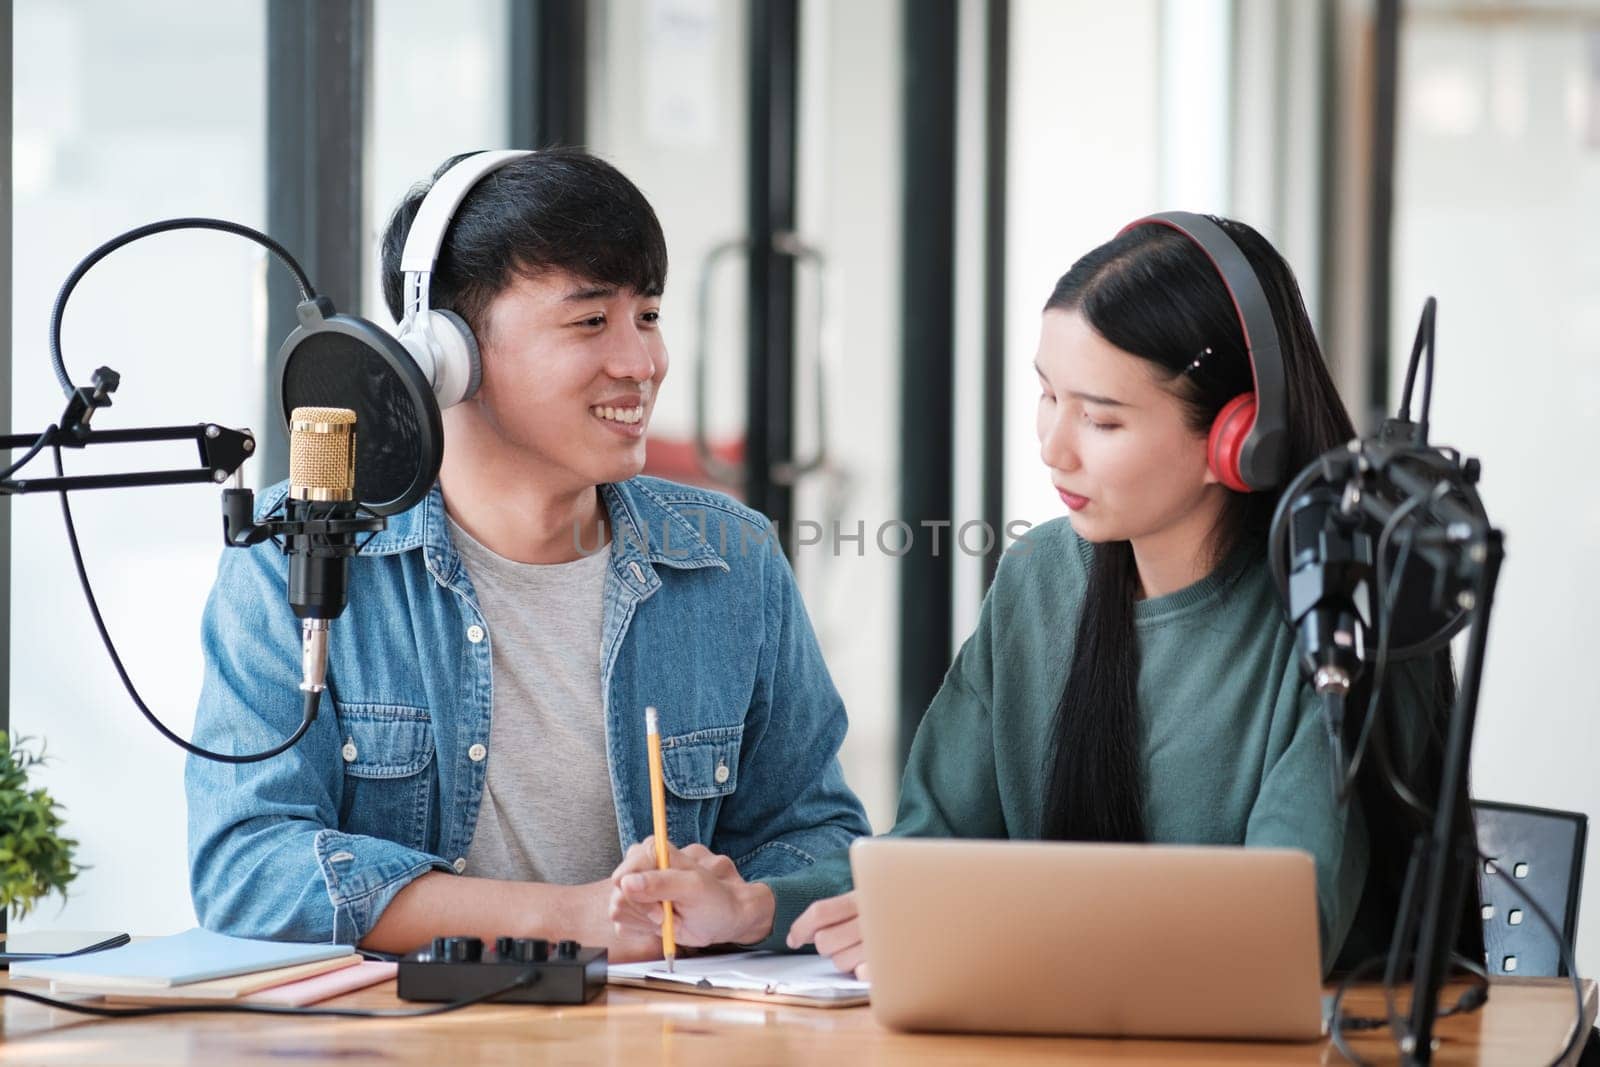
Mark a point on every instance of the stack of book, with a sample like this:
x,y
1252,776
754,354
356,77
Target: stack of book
x,y
199,966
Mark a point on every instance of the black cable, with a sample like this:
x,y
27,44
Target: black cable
x,y
1333,720
1337,1023
147,230
1427,373
1469,1001
1388,586
1446,474
1578,1032
38,446
362,547
1567,960
524,980
1381,660
1402,944
1390,590
1423,339
312,699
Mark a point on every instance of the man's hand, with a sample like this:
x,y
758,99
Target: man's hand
x,y
592,902
711,903
835,926
437,903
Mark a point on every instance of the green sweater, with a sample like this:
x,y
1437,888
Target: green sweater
x,y
1233,747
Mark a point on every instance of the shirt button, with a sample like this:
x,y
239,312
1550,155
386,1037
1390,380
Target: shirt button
x,y
476,753
474,633
722,773
348,752
460,864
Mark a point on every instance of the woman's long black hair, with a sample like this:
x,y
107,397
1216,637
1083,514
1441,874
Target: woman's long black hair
x,y
1153,293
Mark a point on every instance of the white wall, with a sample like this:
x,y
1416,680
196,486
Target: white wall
x,y
1495,209
1277,173
1196,58
668,107
1084,159
850,205
113,130
123,115
416,122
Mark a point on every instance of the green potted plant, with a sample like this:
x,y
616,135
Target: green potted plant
x,y
35,859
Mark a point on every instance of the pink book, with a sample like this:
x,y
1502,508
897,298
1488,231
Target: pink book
x,y
322,986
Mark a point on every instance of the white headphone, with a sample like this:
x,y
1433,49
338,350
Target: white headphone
x,y
440,341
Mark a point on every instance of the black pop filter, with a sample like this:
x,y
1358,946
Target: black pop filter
x,y
341,361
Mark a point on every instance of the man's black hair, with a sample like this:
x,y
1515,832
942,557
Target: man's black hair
x,y
557,209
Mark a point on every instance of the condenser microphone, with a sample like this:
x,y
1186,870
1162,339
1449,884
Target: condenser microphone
x,y
1330,588
1330,602
322,455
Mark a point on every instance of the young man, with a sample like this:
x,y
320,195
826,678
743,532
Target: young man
x,y
481,765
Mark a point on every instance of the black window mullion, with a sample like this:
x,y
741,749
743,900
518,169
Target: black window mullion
x,y
1380,233
773,130
996,114
549,73
1329,86
927,362
318,61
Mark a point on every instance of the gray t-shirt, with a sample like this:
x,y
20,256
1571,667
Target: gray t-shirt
x,y
547,813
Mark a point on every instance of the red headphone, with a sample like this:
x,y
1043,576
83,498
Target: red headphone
x,y
1247,449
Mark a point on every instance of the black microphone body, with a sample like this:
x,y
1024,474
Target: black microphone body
x,y
1330,604
319,563
1330,587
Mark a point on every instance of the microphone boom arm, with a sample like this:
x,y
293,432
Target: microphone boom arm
x,y
222,450
1428,498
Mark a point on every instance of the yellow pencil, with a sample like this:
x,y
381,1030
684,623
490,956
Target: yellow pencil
x,y
658,810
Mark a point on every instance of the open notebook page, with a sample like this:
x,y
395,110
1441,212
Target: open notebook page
x,y
758,972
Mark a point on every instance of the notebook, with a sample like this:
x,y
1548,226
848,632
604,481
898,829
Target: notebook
x,y
324,986
192,956
231,988
806,979
348,977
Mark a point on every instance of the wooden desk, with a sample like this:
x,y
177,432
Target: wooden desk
x,y
1525,1022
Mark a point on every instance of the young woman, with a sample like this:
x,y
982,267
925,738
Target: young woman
x,y
1131,678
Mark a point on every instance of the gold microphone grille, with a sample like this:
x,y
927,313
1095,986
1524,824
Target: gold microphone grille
x,y
322,454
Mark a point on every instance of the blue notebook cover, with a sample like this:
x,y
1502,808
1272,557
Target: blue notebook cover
x,y
193,956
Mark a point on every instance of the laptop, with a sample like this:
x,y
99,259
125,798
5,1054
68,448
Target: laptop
x,y
1035,937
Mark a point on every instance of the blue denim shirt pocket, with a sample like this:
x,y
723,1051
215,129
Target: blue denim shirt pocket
x,y
387,751
698,769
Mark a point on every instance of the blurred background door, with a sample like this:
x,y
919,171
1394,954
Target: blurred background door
x,y
769,138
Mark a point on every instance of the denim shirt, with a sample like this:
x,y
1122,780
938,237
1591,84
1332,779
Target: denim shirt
x,y
702,619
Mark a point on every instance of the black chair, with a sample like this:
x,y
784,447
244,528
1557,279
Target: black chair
x,y
1541,851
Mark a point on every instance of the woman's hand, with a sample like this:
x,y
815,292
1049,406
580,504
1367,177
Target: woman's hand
x,y
712,904
834,925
